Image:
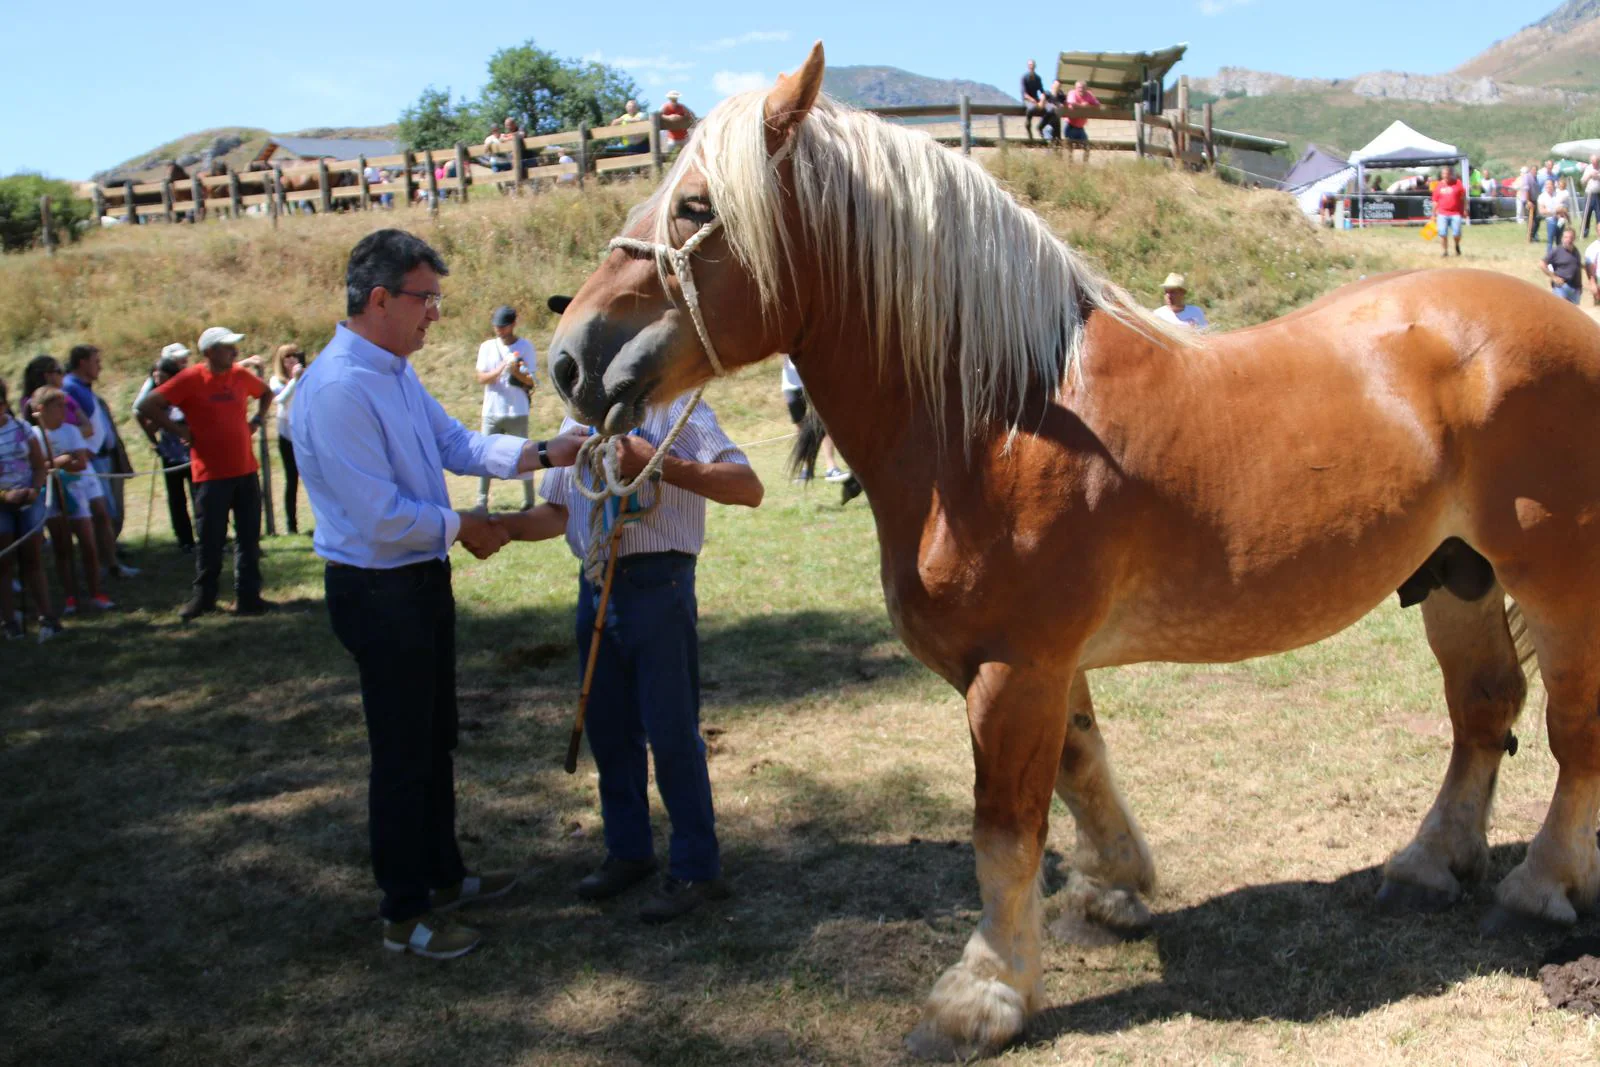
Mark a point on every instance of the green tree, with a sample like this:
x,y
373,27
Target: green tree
x,y
434,121
20,224
546,93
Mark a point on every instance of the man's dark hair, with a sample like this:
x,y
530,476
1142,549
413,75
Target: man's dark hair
x,y
384,258
169,366
78,354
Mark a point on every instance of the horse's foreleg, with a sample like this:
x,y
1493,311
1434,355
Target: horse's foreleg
x,y
1484,688
1018,717
1111,864
1560,876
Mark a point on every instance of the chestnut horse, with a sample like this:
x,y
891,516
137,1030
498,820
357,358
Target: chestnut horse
x,y
1061,483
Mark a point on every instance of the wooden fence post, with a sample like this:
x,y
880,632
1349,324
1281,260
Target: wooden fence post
x,y
166,200
463,171
966,125
128,204
197,196
236,205
99,198
657,161
44,226
1138,130
366,188
583,152
433,185
411,178
519,164
1180,132
266,482
278,189
1000,130
1211,144
269,185
326,199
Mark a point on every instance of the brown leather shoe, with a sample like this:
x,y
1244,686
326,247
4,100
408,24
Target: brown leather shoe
x,y
673,898
615,876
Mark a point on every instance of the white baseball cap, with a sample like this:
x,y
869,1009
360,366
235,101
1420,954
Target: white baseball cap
x,y
219,335
176,350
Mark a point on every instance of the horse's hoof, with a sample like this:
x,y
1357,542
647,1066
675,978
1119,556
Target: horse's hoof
x,y
1081,932
1094,914
1504,922
1399,898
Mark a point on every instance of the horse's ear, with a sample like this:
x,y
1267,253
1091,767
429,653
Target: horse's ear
x,y
790,100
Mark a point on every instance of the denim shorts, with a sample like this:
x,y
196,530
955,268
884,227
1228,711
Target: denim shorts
x,y
1075,133
17,520
1449,225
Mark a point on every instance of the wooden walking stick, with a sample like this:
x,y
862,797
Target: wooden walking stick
x,y
594,646
150,503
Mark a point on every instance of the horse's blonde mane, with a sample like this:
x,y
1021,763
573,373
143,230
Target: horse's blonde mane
x,y
927,241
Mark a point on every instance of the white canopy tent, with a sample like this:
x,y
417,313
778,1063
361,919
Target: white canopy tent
x,y
1400,146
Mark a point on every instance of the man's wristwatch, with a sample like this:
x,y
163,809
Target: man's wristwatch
x,y
544,455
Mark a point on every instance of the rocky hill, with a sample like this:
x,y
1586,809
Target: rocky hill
x,y
891,86
1561,51
236,145
1390,85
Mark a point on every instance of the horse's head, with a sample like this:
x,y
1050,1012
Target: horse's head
x,y
694,285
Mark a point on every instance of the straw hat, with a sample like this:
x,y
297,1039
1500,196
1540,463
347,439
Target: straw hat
x,y
673,94
1175,281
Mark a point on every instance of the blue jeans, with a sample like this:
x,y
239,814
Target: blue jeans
x,y
1552,234
647,689
1568,293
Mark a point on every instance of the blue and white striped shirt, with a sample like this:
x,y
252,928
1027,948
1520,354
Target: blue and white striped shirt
x,y
679,524
372,446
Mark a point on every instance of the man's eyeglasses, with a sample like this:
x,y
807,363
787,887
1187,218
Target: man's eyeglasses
x,y
433,300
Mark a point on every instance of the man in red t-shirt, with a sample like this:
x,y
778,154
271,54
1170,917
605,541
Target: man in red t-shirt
x,y
673,109
215,399
1449,202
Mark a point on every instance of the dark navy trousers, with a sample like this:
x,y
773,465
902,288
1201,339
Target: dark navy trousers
x,y
646,691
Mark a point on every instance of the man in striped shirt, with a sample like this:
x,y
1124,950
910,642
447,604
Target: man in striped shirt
x,y
647,677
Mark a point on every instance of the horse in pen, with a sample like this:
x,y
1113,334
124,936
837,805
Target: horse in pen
x,y
1062,483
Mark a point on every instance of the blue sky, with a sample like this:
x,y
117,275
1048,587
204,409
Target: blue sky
x,y
95,82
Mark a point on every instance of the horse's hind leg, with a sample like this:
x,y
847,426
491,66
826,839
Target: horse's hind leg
x,y
1111,864
1560,876
1017,715
1484,688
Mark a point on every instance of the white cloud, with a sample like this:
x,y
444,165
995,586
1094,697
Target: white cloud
x,y
722,44
729,82
1218,7
661,64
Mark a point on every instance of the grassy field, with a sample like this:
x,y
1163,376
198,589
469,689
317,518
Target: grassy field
x,y
184,814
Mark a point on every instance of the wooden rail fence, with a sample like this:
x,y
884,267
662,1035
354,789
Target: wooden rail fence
x,y
340,182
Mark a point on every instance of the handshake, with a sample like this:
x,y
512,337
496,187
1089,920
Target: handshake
x,y
482,534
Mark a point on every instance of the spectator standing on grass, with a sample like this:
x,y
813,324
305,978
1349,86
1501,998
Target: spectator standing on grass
x,y
794,398
106,454
171,450
1176,308
1076,131
508,372
674,109
1449,201
22,516
565,159
288,363
645,698
1531,188
1591,193
1591,268
67,455
215,398
1553,208
1033,99
373,446
1565,268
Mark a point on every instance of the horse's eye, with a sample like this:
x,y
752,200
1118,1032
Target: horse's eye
x,y
696,209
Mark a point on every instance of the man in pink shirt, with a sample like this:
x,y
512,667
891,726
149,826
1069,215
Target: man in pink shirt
x,y
1075,133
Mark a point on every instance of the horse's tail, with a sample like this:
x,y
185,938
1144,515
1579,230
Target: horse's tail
x,y
807,444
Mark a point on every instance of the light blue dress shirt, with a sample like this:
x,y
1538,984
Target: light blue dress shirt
x,y
372,446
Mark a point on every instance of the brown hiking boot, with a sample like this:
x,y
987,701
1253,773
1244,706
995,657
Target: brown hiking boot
x,y
430,936
673,898
473,889
614,876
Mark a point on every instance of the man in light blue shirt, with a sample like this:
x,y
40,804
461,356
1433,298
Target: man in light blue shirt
x,y
372,446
